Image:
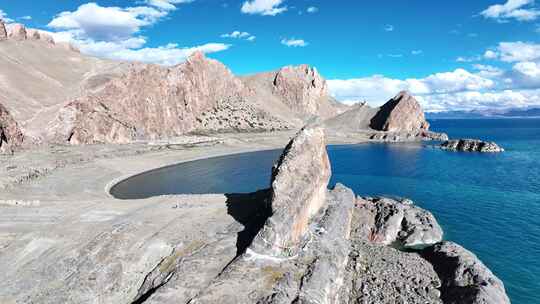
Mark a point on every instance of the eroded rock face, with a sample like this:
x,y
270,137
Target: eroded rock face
x,y
401,113
299,186
471,145
3,32
148,102
465,279
304,90
17,32
11,135
33,34
398,223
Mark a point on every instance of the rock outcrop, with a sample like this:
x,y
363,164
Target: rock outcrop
x,y
399,120
399,114
32,34
17,31
465,279
3,32
397,223
471,145
148,102
299,185
304,90
11,135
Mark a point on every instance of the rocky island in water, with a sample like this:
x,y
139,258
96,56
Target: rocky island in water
x,y
72,126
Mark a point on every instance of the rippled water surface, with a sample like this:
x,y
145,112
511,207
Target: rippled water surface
x,y
489,203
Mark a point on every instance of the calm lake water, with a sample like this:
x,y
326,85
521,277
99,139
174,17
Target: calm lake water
x,y
489,203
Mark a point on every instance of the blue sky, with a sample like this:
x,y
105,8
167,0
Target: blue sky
x,y
452,54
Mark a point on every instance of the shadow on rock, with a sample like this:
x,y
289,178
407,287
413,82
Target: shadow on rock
x,y
251,210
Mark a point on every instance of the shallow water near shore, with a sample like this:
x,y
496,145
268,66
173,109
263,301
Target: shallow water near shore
x,y
489,203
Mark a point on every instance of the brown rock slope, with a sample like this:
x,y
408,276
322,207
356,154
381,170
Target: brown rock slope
x,y
401,113
295,92
400,119
11,135
37,77
148,101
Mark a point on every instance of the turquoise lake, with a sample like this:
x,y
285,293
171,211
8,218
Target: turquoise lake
x,y
489,203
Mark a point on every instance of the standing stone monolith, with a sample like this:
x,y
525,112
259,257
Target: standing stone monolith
x,y
299,187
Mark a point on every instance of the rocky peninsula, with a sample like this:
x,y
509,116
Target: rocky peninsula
x,y
88,123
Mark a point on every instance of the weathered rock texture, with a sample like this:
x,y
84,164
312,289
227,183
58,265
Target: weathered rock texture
x,y
11,135
304,90
401,113
471,145
400,119
397,223
3,32
465,279
148,102
17,32
299,182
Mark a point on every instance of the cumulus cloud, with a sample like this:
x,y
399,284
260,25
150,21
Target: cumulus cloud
x,y
378,89
170,54
114,32
312,9
515,51
3,16
293,42
239,35
263,7
520,10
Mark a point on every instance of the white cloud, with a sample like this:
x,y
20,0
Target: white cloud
x,y
26,18
312,9
378,89
114,32
520,10
488,71
3,16
417,52
293,42
239,35
518,51
263,7
170,54
389,28
166,4
489,54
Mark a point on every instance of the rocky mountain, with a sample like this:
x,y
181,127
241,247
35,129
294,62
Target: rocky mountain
x,y
38,77
76,99
401,118
301,88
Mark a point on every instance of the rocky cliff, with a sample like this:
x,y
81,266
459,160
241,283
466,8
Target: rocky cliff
x,y
11,135
298,193
296,92
3,32
148,102
400,119
401,113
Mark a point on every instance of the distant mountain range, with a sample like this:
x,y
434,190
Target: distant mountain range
x,y
508,113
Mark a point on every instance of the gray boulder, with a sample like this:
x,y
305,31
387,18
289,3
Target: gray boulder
x,y
398,223
465,279
299,186
471,145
